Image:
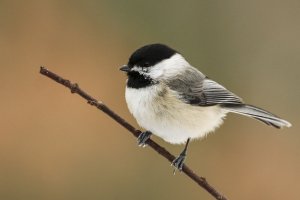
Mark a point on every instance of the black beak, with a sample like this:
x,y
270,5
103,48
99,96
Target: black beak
x,y
125,68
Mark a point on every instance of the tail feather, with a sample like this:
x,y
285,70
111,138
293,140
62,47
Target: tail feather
x,y
259,114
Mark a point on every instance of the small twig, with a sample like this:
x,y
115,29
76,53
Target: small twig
x,y
201,181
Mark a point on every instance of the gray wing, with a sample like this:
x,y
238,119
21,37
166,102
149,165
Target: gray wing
x,y
196,89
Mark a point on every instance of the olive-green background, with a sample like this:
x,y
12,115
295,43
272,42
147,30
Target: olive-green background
x,y
53,145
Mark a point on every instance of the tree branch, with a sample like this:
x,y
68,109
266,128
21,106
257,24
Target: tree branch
x,y
201,181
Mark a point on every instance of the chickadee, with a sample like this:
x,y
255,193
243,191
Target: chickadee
x,y
173,100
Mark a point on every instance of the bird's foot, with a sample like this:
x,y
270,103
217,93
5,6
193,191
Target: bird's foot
x,y
178,162
143,137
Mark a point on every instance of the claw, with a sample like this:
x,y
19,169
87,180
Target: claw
x,y
143,137
178,163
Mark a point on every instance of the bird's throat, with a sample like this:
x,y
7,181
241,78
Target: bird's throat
x,y
137,80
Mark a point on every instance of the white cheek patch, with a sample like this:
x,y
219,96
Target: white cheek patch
x,y
164,69
142,71
168,67
136,69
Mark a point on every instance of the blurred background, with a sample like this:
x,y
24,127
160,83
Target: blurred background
x,y
53,145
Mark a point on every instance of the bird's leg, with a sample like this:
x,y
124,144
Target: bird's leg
x,y
143,137
178,162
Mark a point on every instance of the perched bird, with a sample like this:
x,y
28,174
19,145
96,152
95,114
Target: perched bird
x,y
173,100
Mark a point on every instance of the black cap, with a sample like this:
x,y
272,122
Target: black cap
x,y
150,55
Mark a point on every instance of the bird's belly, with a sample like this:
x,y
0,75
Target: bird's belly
x,y
169,118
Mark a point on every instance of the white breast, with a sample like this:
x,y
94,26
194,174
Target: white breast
x,y
157,109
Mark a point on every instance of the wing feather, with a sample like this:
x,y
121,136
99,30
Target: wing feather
x,y
195,88
217,94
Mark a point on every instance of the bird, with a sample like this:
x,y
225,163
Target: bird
x,y
173,100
